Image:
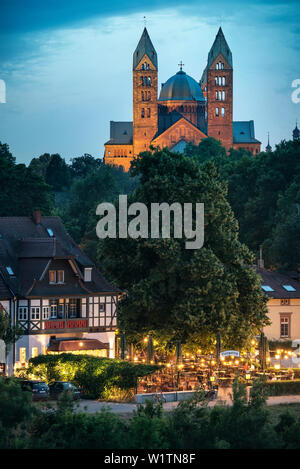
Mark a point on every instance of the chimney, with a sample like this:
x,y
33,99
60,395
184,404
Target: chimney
x,y
260,262
37,217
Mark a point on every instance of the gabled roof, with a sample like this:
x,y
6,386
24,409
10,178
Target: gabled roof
x,y
219,46
27,248
144,46
276,280
186,121
121,133
243,132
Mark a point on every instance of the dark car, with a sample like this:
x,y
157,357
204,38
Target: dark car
x,y
58,387
39,389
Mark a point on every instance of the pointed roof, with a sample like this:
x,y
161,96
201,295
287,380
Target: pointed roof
x,y
219,46
144,46
268,147
296,132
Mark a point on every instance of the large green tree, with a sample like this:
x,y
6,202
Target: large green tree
x,y
179,293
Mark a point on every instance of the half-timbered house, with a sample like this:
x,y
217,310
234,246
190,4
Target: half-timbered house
x,y
53,291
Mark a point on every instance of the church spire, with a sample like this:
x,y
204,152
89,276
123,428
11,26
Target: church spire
x,y
219,46
296,132
268,147
144,46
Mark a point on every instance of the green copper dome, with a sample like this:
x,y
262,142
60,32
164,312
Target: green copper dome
x,y
181,87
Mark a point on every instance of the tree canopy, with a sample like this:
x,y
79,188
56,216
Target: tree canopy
x,y
183,294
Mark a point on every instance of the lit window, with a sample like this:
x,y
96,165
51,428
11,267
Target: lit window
x,y
60,276
266,288
50,232
223,112
289,288
223,95
34,352
220,95
285,326
52,276
9,270
223,81
22,352
217,111
220,81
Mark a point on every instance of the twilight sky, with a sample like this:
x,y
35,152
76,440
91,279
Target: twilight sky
x,y
67,65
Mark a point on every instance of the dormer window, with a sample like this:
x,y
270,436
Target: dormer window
x,y
60,276
52,276
88,274
9,270
50,232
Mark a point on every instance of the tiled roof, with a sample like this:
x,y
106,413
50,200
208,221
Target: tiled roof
x,y
243,132
144,46
276,280
121,133
27,248
219,46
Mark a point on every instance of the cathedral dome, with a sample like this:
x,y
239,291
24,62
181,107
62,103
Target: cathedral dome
x,y
181,87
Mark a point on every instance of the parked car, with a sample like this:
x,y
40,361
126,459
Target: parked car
x,y
58,387
39,389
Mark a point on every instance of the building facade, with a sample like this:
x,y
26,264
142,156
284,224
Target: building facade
x,y
185,110
53,292
283,305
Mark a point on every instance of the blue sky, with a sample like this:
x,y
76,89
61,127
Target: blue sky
x,y
67,65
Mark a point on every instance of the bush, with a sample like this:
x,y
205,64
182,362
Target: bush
x,y
95,376
283,388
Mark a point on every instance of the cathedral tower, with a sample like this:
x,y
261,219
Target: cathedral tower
x,y
145,120
217,84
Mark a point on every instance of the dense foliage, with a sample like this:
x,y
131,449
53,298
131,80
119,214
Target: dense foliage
x,y
97,377
22,191
192,425
264,193
178,293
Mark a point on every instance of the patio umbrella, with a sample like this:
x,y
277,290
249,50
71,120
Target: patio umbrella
x,y
178,353
150,349
123,346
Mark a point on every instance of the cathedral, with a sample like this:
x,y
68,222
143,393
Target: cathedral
x,y
184,111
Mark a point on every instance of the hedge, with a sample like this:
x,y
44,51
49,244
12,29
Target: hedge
x,y
283,388
97,377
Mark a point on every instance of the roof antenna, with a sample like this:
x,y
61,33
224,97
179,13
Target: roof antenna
x,y
145,21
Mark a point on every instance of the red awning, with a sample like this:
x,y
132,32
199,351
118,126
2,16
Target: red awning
x,y
76,345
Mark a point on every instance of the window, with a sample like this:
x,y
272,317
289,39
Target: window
x,y
53,309
34,352
289,288
145,81
220,95
143,113
72,307
223,81
149,112
220,81
285,301
285,326
266,288
216,81
88,274
35,312
217,95
45,312
52,276
223,112
142,95
142,81
22,352
217,111
9,270
149,81
22,313
223,95
60,276
50,232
